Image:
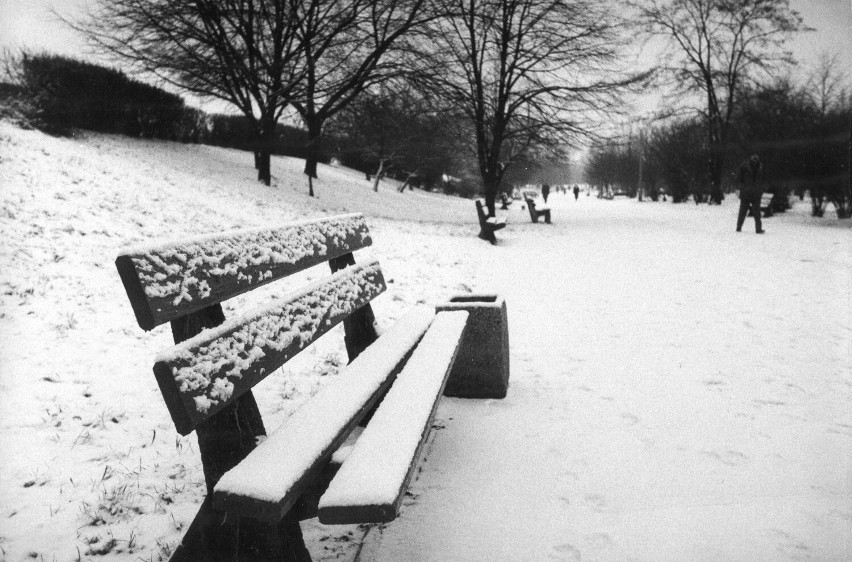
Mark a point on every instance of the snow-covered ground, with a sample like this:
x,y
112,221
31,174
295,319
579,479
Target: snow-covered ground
x,y
678,391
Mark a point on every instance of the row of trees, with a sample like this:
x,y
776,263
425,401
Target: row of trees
x,y
723,59
509,77
716,49
59,94
801,131
384,131
430,86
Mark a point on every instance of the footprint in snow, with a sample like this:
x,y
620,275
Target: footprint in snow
x,y
629,418
565,552
597,501
599,540
730,458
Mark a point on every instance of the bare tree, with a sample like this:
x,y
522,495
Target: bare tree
x,y
828,83
714,46
393,126
245,52
524,75
347,43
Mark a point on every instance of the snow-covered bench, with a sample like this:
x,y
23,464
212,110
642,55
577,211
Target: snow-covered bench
x,y
488,225
537,209
766,204
257,494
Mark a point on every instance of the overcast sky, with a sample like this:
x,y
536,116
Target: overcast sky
x,y
29,23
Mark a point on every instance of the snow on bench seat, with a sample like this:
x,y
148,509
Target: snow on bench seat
x,y
273,476
495,220
370,485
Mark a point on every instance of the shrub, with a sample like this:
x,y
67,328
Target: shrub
x,y
66,94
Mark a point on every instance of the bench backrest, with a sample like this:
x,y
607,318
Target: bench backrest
x,y
531,207
176,281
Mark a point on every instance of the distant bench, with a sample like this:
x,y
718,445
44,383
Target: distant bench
x,y
257,494
766,204
537,210
488,225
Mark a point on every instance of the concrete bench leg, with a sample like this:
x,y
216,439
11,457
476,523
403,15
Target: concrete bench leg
x,y
488,234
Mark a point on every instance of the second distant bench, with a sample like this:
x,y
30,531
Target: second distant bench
x,y
537,210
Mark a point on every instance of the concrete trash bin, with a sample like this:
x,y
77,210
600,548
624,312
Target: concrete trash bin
x,y
481,369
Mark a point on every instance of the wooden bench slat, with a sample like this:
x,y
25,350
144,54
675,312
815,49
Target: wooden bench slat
x,y
273,476
370,485
202,375
167,281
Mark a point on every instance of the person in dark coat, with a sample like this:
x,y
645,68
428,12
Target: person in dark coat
x,y
545,191
576,192
750,179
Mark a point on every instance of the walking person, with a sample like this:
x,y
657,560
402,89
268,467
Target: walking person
x,y
545,191
576,191
750,179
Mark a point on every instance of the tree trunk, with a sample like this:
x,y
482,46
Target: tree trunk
x,y
490,187
716,195
312,151
262,156
379,173
264,167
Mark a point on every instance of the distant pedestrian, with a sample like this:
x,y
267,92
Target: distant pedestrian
x,y
750,179
576,192
545,191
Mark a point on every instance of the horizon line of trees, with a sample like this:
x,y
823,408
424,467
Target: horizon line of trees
x,y
380,136
802,133
498,81
481,90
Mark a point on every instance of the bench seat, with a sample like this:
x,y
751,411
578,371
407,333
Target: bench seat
x,y
273,476
371,483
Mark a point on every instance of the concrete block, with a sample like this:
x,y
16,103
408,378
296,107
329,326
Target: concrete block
x,y
481,369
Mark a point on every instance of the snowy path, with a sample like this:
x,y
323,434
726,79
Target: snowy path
x,y
678,392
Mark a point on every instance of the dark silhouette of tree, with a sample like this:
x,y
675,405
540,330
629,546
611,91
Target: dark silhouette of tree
x,y
245,52
803,137
828,83
393,127
714,47
522,75
61,94
676,155
347,48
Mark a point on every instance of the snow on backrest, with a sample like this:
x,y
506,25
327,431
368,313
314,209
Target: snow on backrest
x,y
166,281
201,375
